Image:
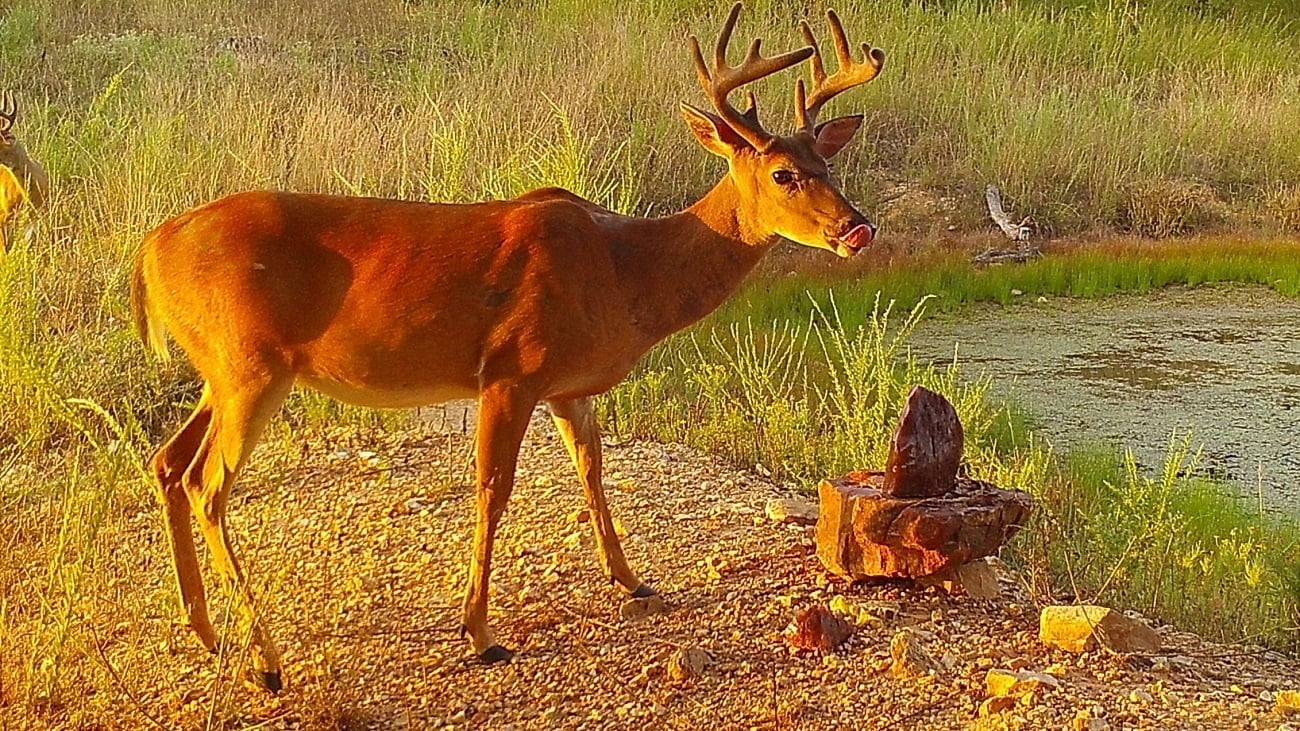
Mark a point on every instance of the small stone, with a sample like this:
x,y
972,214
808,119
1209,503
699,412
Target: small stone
x,y
909,657
842,606
1139,695
1057,670
416,505
578,516
1017,682
688,663
1286,702
791,511
997,704
979,580
1079,628
638,608
817,629
714,567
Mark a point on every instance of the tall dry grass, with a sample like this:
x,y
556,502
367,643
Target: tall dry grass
x,y
142,108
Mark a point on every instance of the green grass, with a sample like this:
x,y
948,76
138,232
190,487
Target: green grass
x,y
1083,271
1186,549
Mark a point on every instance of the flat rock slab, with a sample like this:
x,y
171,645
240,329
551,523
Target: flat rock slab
x,y
863,532
1081,627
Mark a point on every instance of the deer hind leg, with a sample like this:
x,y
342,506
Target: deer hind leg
x,y
239,414
168,466
502,420
576,422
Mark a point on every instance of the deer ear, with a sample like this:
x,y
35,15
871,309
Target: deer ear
x,y
716,135
832,136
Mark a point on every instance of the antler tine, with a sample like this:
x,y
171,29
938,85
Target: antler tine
x,y
850,73
722,79
724,38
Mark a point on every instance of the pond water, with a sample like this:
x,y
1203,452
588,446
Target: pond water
x,y
1221,364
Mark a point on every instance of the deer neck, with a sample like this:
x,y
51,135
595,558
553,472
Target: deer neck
x,y
684,266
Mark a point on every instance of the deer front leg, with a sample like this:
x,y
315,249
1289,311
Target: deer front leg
x,y
576,422
502,420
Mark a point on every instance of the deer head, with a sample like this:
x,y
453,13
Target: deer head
x,y
784,183
14,156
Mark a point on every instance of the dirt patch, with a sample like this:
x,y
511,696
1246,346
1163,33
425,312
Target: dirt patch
x,y
359,542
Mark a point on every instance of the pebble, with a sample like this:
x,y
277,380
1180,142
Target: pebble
x,y
688,663
639,608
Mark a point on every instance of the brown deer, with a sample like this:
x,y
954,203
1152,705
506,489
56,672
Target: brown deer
x,y
545,298
22,179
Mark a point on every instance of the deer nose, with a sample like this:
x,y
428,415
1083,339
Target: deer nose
x,y
860,220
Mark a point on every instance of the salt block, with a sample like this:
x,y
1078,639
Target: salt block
x,y
926,448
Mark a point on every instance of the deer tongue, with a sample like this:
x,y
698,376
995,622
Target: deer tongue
x,y
859,237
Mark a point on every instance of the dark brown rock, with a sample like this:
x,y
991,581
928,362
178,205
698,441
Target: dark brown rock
x,y
818,629
926,448
862,532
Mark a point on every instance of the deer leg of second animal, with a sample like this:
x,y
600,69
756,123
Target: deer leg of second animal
x,y
168,466
239,414
576,421
503,416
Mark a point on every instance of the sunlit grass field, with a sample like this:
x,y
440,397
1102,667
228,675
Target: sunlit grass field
x,y
1147,118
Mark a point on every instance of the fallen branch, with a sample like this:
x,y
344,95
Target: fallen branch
x,y
1014,231
998,256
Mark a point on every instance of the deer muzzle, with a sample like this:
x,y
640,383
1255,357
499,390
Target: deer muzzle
x,y
856,238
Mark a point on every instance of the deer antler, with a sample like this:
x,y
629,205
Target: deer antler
x,y
723,79
849,74
8,112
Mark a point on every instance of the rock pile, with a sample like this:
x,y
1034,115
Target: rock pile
x,y
916,518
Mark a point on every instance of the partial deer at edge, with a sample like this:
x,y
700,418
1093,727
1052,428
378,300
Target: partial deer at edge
x,y
544,298
22,179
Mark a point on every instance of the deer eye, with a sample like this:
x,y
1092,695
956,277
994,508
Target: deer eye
x,y
782,177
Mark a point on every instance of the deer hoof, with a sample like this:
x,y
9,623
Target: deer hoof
x,y
271,680
643,591
494,655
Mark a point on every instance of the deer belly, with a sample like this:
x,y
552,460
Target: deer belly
x,y
389,396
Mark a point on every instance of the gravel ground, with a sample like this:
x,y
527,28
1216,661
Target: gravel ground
x,y
359,541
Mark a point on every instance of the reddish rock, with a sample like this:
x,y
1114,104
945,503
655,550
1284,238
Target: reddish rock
x,y
862,532
818,629
926,448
